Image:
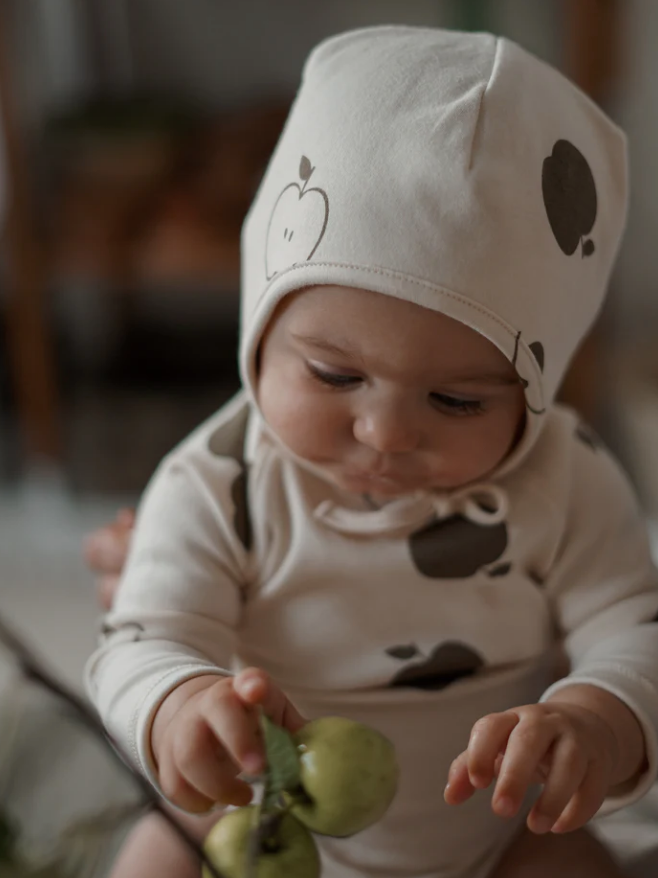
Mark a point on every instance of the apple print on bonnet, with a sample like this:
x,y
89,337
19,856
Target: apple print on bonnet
x,y
452,170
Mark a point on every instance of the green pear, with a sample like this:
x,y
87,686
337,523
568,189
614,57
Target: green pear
x,y
289,852
349,776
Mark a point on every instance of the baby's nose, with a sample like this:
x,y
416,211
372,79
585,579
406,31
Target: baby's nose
x,y
387,430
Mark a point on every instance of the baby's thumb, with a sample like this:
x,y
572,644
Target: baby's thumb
x,y
256,688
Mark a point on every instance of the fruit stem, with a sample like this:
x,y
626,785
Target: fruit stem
x,y
300,796
263,837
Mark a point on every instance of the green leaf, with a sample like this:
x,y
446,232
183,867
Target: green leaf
x,y
283,767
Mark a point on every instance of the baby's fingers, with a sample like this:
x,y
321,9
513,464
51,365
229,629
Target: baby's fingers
x,y
459,787
196,773
586,801
255,687
126,518
105,549
488,739
526,750
477,766
235,727
106,589
567,773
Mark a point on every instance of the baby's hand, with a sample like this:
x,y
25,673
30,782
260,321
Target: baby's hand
x,y
568,749
206,732
105,551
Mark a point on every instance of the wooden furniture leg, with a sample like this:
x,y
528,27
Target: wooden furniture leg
x,y
30,347
591,61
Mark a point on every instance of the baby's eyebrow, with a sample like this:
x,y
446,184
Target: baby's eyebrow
x,y
331,347
494,377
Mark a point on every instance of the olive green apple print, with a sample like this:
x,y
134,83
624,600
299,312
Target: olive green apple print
x,y
456,547
570,198
446,663
587,436
537,350
131,631
241,519
227,441
297,223
500,570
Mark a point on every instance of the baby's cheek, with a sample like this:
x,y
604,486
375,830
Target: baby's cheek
x,y
317,431
482,451
493,452
467,467
301,422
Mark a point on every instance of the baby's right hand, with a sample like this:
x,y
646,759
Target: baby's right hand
x,y
206,732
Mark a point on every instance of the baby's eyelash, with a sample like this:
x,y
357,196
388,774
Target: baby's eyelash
x,y
333,379
457,406
449,404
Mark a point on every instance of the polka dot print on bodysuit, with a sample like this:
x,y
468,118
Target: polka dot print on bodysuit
x,y
456,548
448,662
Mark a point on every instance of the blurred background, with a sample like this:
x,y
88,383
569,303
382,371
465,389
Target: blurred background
x,y
133,134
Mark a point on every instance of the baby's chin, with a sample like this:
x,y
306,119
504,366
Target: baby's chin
x,y
386,487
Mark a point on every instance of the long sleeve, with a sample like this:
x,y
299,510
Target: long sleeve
x,y
604,588
179,602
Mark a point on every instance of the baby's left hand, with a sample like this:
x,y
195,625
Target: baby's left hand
x,y
105,552
568,749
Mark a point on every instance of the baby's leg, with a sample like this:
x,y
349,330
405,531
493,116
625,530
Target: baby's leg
x,y
573,855
154,850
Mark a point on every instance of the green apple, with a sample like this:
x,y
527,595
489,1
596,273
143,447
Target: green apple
x,y
289,852
349,776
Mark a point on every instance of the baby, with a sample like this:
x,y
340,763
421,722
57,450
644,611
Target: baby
x,y
394,521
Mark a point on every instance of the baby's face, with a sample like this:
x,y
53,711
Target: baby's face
x,y
385,396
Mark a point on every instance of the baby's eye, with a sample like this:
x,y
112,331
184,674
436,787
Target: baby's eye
x,y
333,379
454,405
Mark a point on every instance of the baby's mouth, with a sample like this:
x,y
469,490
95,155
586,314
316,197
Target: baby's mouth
x,y
385,480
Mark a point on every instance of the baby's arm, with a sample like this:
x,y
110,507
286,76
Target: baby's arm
x,y
593,740
173,630
580,744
